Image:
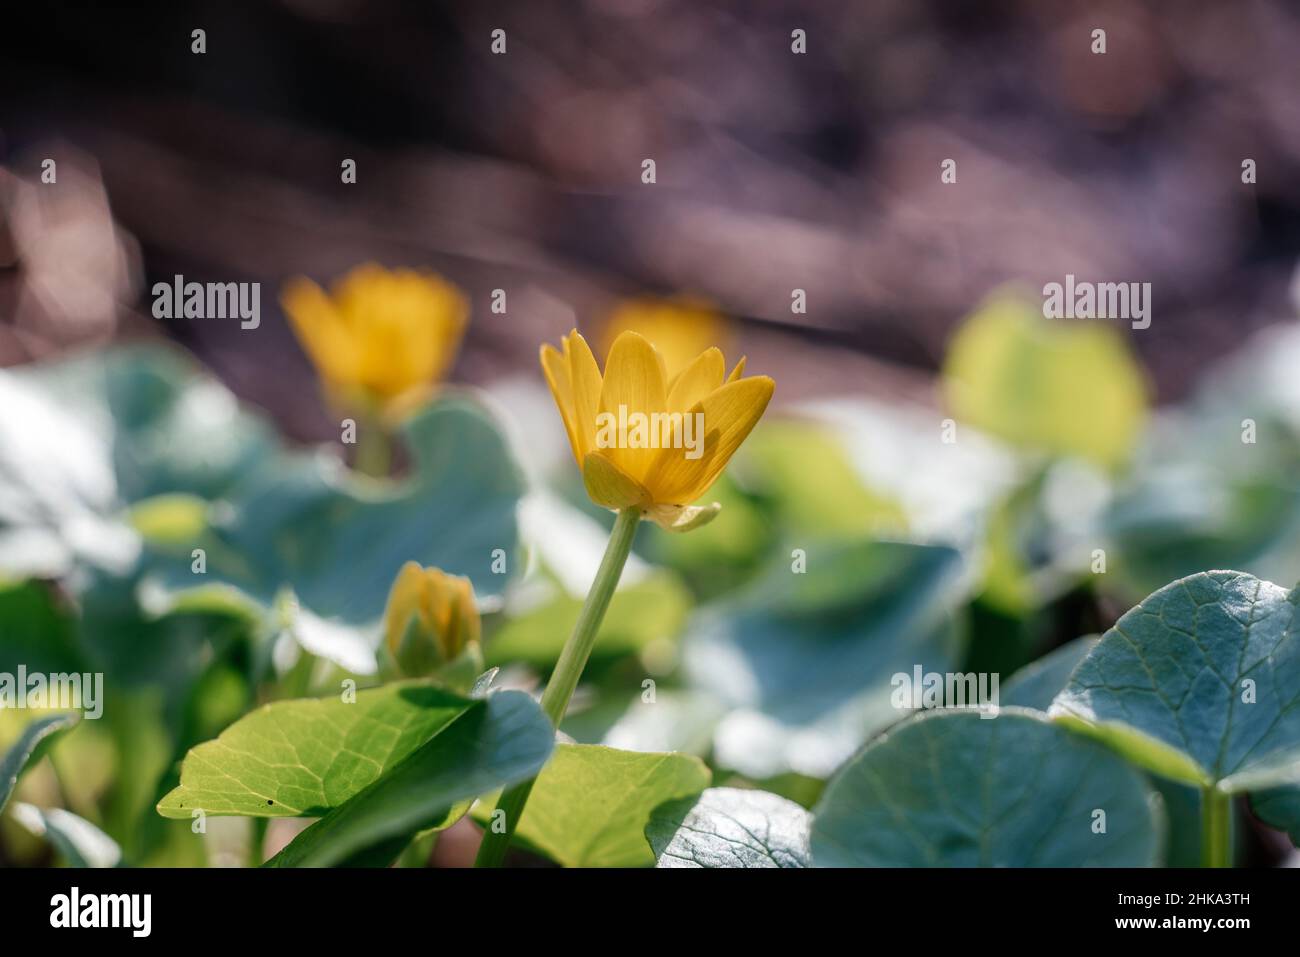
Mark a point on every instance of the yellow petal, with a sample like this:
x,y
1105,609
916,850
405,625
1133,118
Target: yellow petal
x,y
404,600
584,377
683,518
729,415
634,381
556,371
737,372
320,329
609,486
698,379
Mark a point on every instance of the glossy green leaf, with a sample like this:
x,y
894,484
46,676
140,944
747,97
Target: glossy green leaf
x,y
1059,386
80,843
492,744
591,804
1199,682
730,827
954,789
38,732
1037,684
305,757
804,661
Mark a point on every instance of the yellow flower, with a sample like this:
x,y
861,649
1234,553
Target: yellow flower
x,y
680,328
644,439
430,619
380,337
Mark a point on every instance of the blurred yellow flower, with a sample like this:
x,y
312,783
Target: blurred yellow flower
x,y
647,440
380,337
430,619
680,328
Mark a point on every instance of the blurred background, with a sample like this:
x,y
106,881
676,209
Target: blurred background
x,y
775,171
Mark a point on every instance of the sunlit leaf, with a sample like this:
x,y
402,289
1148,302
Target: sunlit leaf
x,y
730,827
1064,387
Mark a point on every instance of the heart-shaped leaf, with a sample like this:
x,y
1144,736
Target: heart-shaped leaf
x,y
591,804
305,757
1199,683
1037,684
730,827
955,789
492,744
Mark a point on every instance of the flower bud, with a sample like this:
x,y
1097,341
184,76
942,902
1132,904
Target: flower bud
x,y
430,620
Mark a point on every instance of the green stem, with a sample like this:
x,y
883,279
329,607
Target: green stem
x,y
374,453
564,679
1216,828
257,840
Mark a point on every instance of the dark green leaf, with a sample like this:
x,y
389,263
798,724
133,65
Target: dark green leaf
x,y
954,789
1199,683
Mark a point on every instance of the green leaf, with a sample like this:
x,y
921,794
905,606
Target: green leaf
x,y
38,732
37,630
337,540
591,804
79,842
1065,388
87,434
305,757
730,827
804,661
827,501
954,789
1279,808
491,744
1037,683
649,610
1199,683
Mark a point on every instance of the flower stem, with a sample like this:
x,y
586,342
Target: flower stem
x,y
374,452
564,679
1216,828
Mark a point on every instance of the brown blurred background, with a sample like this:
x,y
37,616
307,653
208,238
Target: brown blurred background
x,y
775,170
